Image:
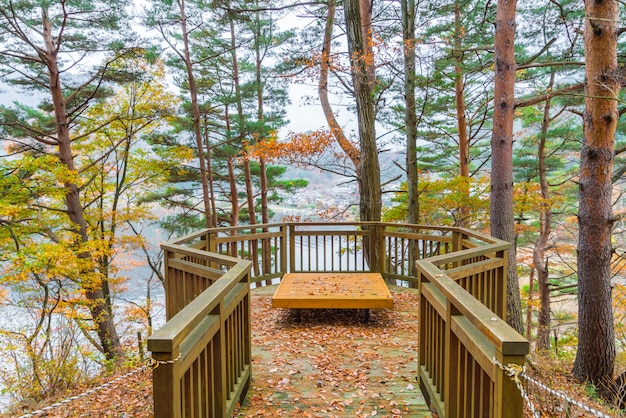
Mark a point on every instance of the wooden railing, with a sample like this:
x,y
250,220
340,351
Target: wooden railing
x,y
462,281
276,249
204,350
462,331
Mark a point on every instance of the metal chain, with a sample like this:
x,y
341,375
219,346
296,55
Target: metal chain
x,y
150,363
516,371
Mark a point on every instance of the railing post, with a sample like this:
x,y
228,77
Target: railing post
x,y
451,364
166,385
171,287
380,248
508,402
220,359
421,335
502,284
458,236
292,248
457,242
248,330
284,245
210,242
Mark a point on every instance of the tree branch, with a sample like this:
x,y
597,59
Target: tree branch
x,y
530,101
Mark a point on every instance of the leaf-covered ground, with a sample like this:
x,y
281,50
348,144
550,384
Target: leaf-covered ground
x,y
330,364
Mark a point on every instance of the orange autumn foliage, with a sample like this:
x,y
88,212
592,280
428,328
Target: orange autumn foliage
x,y
299,147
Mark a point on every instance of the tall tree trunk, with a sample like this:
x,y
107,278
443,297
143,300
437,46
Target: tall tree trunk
x,y
232,182
234,198
101,314
260,118
265,250
249,190
195,108
502,214
410,117
207,145
370,203
459,92
545,228
529,305
595,357
265,215
240,131
365,13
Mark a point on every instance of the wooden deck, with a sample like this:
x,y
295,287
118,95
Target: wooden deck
x,y
332,291
331,364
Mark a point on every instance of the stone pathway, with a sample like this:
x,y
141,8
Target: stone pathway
x,y
331,364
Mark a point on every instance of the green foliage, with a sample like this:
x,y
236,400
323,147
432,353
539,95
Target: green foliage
x,y
440,201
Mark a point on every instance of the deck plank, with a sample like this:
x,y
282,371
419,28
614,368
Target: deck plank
x,y
332,291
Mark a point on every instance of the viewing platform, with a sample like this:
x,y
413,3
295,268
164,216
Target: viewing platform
x,y
439,347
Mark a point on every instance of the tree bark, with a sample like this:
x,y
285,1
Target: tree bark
x,y
502,214
529,304
365,13
459,93
232,183
595,356
370,202
249,190
410,117
101,315
234,198
207,144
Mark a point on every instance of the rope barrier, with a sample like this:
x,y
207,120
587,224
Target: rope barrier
x,y
515,371
150,363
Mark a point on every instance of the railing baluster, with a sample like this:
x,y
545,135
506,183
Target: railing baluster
x,y
356,254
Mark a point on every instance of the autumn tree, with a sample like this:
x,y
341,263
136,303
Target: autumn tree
x,y
118,163
45,274
595,356
55,54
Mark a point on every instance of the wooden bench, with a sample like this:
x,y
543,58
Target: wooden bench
x,y
332,291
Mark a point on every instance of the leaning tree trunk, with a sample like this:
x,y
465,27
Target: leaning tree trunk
x,y
94,289
502,215
348,148
595,356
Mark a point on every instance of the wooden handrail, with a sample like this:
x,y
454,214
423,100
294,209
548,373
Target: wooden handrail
x,y
462,332
461,275
205,347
